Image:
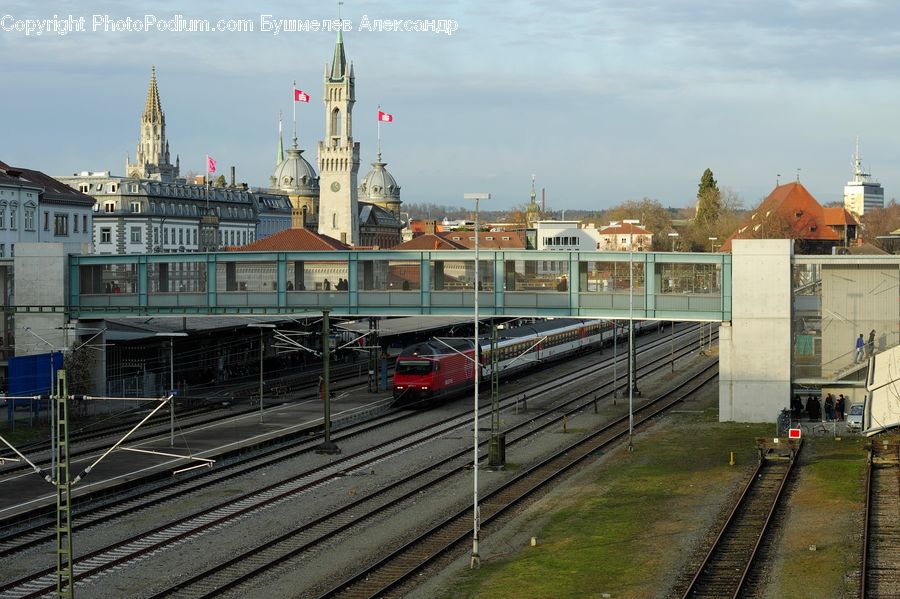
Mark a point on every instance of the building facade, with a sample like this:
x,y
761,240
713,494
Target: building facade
x,y
863,193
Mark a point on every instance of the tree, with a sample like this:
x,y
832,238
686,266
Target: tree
x,y
729,216
880,222
220,181
708,199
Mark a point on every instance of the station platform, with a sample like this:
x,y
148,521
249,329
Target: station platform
x,y
24,491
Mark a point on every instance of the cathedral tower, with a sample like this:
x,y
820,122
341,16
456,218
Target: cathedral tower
x,y
338,153
152,160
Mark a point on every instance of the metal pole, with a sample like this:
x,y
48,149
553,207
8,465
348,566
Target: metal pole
x,y
65,579
171,390
260,375
631,338
615,359
327,445
476,520
496,458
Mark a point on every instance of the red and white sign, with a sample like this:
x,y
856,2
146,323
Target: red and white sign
x,y
300,96
794,433
385,117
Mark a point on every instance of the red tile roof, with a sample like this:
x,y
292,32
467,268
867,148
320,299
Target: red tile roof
x,y
488,240
293,240
624,229
839,217
790,212
427,241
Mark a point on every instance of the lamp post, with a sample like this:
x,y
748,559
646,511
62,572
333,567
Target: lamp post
x,y
632,387
327,446
260,326
171,337
476,519
712,244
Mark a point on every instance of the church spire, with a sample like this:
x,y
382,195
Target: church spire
x,y
153,109
339,62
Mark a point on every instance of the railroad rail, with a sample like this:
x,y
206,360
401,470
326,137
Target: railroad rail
x,y
405,562
108,557
728,563
880,572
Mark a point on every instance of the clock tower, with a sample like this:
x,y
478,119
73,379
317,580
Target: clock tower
x,y
338,153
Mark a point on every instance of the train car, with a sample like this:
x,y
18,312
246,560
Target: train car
x,y
440,368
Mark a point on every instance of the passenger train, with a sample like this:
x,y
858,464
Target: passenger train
x,y
442,367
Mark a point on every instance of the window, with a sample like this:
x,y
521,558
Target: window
x,y
60,225
180,236
136,207
29,219
109,206
83,188
165,236
84,226
2,249
13,219
113,187
155,235
135,234
12,250
46,221
105,235
133,187
3,215
74,224
195,236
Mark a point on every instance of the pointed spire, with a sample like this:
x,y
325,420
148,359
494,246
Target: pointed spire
x,y
339,63
280,157
533,192
153,109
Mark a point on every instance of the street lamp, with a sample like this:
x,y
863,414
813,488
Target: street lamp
x,y
476,561
631,381
260,326
171,337
673,237
712,244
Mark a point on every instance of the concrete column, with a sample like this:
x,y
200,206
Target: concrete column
x,y
755,350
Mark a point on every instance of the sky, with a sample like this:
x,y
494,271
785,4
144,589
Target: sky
x,y
602,100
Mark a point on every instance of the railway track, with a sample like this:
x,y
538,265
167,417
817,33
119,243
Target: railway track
x,y
101,560
92,438
880,573
405,562
726,567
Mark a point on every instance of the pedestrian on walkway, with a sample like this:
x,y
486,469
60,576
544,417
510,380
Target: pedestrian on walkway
x,y
859,349
871,344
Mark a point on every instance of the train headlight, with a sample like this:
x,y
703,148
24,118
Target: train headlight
x,y
424,388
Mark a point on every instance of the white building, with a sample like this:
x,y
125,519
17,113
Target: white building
x,y
624,237
566,236
863,192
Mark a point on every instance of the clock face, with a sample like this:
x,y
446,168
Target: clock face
x,y
335,186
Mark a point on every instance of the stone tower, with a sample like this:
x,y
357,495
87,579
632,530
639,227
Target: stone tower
x,y
152,160
338,153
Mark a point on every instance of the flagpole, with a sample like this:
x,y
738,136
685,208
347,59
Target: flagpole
x,y
206,180
294,103
379,133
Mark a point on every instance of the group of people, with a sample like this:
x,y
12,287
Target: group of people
x,y
834,408
342,285
864,349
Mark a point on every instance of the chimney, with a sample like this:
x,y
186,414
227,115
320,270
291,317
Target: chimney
x,y
543,199
430,227
232,176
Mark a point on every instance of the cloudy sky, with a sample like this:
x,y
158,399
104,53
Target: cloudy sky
x,y
603,100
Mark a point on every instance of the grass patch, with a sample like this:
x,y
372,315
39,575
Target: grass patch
x,y
617,531
825,512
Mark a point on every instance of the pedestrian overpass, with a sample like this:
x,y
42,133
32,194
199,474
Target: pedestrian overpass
x,y
619,285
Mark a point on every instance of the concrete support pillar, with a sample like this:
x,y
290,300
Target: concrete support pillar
x,y
755,350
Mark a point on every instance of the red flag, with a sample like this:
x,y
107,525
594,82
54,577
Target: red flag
x,y
300,96
385,117
210,164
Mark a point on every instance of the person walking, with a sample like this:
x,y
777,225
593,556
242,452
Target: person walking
x,y
859,349
829,407
871,344
839,407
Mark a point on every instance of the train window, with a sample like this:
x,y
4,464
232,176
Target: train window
x,y
413,367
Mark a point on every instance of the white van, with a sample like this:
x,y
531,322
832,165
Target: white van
x,y
855,417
